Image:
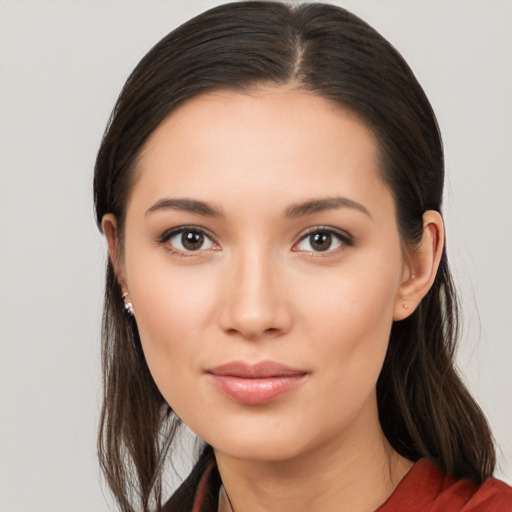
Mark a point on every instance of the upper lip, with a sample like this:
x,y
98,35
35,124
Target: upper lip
x,y
260,370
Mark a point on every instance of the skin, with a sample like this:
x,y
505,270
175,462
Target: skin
x,y
258,289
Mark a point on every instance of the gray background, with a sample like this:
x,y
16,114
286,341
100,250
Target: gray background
x,y
62,64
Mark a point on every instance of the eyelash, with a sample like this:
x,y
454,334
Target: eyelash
x,y
343,238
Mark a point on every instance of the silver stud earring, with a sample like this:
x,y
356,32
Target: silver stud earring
x,y
128,306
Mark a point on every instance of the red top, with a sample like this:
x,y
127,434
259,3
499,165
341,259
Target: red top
x,y
426,489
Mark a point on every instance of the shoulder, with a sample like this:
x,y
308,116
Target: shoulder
x,y
426,489
492,495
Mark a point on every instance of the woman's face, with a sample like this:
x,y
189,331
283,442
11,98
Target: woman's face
x,y
264,264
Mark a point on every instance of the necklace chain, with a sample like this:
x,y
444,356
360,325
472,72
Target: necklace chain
x,y
224,501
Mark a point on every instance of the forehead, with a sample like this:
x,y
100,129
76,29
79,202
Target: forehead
x,y
277,141
283,109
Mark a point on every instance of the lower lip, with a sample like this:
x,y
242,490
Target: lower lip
x,y
250,391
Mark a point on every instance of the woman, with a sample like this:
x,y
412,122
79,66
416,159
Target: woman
x,y
270,188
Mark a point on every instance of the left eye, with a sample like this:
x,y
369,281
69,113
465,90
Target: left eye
x,y
320,241
190,240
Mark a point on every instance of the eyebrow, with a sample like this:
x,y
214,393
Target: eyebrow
x,y
186,205
320,205
294,211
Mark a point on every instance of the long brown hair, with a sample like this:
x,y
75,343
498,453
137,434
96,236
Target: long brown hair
x,y
424,408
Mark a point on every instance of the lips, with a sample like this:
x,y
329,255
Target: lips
x,y
255,384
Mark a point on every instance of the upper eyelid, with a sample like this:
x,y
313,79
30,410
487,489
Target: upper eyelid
x,y
345,235
180,229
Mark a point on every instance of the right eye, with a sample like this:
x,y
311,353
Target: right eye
x,y
187,240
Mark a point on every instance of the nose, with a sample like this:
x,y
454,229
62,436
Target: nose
x,y
255,302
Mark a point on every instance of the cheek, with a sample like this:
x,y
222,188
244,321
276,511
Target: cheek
x,y
348,319
172,307
355,301
167,296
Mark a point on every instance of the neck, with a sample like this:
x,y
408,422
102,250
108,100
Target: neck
x,y
353,472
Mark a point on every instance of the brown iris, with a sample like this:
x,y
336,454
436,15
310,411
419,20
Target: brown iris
x,y
321,241
192,240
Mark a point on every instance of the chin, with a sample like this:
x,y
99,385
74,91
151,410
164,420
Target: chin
x,y
262,450
270,442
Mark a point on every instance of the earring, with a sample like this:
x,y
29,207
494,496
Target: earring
x,y
128,306
405,306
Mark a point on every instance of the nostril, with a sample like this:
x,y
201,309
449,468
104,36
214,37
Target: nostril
x,y
253,334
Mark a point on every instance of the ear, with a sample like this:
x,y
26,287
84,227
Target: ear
x,y
421,268
109,227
